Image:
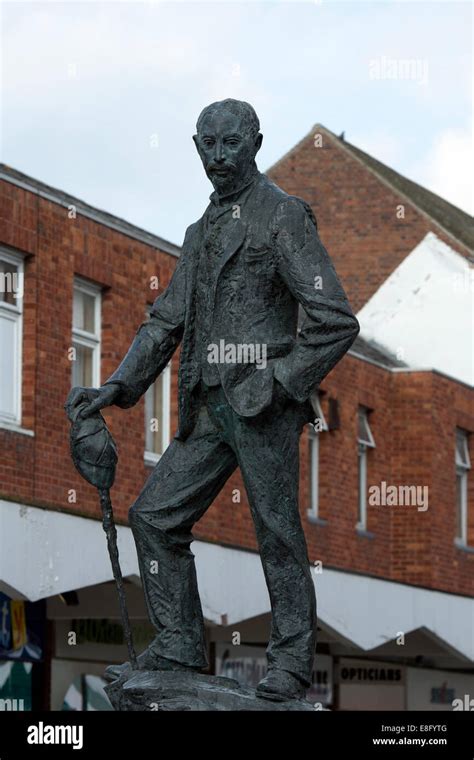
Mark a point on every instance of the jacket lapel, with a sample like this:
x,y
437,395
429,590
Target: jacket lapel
x,y
235,239
239,227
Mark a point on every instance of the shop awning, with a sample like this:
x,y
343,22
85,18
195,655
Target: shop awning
x,y
363,611
44,553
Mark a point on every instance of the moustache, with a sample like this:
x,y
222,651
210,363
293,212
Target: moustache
x,y
226,168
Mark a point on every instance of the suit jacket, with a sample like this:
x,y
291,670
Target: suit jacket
x,y
273,262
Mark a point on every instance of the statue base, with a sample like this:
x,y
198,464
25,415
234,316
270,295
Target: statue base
x,y
149,691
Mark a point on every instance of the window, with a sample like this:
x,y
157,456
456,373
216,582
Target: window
x,y
86,335
365,441
11,328
318,427
463,465
157,417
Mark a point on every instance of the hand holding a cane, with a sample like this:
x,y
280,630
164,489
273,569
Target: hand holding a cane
x,y
94,454
96,398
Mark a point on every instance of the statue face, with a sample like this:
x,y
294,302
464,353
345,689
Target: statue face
x,y
226,149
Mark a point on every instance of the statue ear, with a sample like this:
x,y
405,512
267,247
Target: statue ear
x,y
258,142
195,139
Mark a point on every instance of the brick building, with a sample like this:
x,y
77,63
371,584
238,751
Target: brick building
x,y
386,494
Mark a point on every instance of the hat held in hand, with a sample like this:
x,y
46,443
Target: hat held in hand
x,y
93,449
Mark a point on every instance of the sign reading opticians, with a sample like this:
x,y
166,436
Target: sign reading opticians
x,y
370,685
369,672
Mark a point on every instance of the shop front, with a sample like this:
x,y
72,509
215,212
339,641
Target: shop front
x,y
370,685
439,690
22,638
248,665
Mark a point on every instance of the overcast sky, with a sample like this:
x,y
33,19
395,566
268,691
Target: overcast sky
x,y
100,99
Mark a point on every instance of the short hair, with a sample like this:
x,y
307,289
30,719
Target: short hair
x,y
237,107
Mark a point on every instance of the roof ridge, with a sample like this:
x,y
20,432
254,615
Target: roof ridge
x,y
451,219
426,190
61,197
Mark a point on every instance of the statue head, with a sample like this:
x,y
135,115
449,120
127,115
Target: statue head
x,y
227,141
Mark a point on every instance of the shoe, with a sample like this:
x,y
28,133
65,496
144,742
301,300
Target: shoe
x,y
147,660
280,686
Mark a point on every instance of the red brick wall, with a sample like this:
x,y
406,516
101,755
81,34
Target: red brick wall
x,y
356,213
352,383
413,420
39,470
413,417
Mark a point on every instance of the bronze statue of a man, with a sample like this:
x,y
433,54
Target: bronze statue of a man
x,y
246,376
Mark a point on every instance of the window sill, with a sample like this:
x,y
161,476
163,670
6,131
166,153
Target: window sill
x,y
314,519
150,458
363,532
14,428
463,547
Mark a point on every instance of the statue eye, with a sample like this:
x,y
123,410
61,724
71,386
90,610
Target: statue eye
x,y
208,142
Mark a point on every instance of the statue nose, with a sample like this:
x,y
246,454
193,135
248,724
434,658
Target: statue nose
x,y
218,153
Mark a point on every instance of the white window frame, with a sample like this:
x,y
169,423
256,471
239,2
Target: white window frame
x,y
15,314
463,465
313,442
363,444
151,457
85,338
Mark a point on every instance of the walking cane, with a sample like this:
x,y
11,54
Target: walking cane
x,y
94,454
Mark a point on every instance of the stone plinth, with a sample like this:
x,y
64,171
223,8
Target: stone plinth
x,y
180,691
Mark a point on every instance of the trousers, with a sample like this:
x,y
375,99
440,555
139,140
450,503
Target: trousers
x,y
180,489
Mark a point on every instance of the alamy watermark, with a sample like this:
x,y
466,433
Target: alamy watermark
x,y
466,703
401,69
13,705
237,353
12,282
42,733
384,495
